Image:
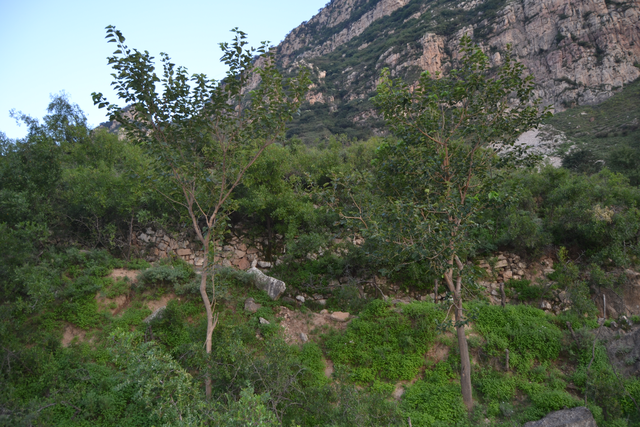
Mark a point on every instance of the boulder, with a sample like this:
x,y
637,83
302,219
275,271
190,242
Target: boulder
x,y
272,286
576,417
340,316
502,264
241,263
264,321
251,305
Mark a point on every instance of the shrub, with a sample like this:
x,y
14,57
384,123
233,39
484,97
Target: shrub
x,y
434,399
523,290
385,344
495,386
524,330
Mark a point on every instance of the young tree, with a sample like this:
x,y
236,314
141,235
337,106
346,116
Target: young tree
x,y
203,134
429,186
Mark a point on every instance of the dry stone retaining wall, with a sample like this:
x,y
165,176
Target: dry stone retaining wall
x,y
236,252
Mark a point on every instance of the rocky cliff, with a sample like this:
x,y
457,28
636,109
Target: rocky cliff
x,y
580,51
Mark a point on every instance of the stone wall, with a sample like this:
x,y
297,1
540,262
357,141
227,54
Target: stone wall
x,y
237,252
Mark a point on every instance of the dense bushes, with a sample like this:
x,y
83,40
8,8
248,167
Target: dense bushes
x,y
596,215
128,372
383,344
434,400
526,331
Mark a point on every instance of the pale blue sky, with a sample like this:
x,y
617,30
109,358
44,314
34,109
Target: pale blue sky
x,y
51,46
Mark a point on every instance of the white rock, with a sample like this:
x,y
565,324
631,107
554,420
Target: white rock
x,y
272,286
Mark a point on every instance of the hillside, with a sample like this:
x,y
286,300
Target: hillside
x,y
201,270
580,52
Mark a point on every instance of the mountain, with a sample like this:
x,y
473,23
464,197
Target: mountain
x,y
580,52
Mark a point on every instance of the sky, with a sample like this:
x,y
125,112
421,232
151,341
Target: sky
x,y
47,47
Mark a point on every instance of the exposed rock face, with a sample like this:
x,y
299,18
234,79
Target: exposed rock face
x,y
624,352
335,13
624,303
272,286
580,51
576,417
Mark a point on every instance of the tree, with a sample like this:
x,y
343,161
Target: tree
x,y
203,134
429,186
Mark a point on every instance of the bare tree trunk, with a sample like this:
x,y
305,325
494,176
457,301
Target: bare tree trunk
x,y
211,320
465,363
435,292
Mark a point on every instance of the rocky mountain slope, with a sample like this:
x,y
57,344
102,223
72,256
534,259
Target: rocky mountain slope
x,y
580,51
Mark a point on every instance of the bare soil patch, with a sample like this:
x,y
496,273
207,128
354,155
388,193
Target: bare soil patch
x,y
438,352
153,305
72,332
119,273
296,323
114,305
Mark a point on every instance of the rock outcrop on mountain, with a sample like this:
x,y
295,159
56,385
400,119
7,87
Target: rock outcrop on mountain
x,y
579,51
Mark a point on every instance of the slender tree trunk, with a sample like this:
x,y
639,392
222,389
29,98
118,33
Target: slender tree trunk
x,y
211,322
435,291
465,363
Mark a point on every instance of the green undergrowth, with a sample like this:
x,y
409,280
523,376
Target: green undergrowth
x,y
435,400
127,372
385,344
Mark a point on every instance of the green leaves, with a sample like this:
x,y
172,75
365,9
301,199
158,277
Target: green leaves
x,y
204,134
438,176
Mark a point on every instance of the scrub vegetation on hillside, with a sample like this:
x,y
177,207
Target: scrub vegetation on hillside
x,y
78,346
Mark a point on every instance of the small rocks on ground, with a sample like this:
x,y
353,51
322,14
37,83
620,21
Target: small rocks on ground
x,y
264,321
251,305
300,298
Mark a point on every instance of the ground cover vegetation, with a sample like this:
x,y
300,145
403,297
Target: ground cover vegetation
x,y
71,198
